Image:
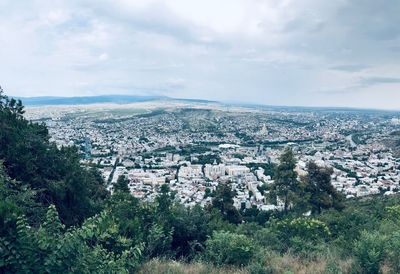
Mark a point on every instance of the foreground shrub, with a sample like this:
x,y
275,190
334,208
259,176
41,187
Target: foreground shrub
x,y
306,228
268,238
369,251
229,248
306,249
303,236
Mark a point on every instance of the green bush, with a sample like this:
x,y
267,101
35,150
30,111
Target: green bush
x,y
370,251
394,212
53,249
306,248
301,235
308,228
268,238
229,248
158,241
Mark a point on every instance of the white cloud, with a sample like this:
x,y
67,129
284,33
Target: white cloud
x,y
264,51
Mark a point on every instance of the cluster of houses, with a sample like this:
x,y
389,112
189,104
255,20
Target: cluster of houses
x,y
171,147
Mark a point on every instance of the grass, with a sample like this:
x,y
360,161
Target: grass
x,y
161,266
292,264
275,265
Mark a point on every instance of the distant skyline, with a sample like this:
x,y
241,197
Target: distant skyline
x,y
343,53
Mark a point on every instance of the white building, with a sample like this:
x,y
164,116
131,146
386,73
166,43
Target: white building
x,y
236,170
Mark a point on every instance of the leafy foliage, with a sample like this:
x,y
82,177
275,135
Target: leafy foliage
x,y
304,236
306,228
394,212
52,249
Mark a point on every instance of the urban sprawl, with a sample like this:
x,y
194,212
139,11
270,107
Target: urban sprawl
x,y
195,148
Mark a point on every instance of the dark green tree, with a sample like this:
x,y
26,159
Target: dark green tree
x,y
165,200
10,105
56,175
286,186
159,236
190,230
122,184
322,194
223,201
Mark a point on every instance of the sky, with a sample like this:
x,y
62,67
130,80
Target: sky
x,y
274,52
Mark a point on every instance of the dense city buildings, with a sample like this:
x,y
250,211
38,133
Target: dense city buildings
x,y
195,147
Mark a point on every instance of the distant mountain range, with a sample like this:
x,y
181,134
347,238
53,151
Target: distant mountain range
x,y
126,99
85,100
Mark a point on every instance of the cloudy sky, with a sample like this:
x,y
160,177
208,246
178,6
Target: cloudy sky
x,y
275,52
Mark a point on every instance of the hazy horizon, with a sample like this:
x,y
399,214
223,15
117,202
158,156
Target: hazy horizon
x,y
288,53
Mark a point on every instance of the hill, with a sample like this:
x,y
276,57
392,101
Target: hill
x,y
116,99
83,100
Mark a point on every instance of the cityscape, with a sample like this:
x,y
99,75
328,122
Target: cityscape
x,y
195,146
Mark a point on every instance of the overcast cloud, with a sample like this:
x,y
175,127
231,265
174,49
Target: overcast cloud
x,y
276,52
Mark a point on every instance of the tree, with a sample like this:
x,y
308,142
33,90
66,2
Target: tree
x,y
11,106
223,201
164,201
122,184
286,185
207,193
15,199
190,230
321,191
55,174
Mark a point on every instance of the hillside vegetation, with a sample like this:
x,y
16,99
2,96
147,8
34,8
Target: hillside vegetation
x,y
57,217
